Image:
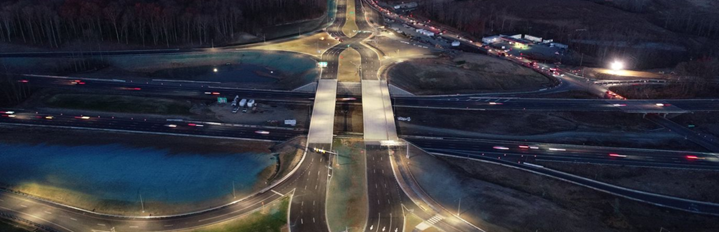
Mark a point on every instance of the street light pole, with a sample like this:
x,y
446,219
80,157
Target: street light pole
x,y
459,207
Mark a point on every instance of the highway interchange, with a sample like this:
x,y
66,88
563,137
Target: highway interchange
x,y
391,189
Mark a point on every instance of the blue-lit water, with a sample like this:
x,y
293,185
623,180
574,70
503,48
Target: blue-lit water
x,y
219,73
117,172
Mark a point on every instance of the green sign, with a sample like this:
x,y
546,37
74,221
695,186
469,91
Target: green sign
x,y
221,100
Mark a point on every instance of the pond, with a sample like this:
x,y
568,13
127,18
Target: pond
x,y
120,173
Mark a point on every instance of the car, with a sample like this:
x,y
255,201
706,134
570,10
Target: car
x,y
557,149
495,103
500,148
171,125
83,117
49,117
659,104
617,155
619,105
195,125
262,132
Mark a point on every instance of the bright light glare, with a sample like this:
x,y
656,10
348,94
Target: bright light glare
x,y
617,65
214,70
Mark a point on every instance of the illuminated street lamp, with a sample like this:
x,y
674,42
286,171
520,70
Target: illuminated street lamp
x,y
617,65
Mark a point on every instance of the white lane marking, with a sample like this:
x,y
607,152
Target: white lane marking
x,y
313,202
313,220
24,206
318,173
30,215
303,203
73,219
316,186
134,227
378,201
100,224
277,192
169,225
302,221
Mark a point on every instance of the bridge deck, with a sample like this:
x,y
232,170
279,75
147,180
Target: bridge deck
x,y
323,114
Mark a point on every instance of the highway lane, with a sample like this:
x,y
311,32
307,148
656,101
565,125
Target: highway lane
x,y
150,125
200,90
307,212
651,198
532,151
553,104
383,192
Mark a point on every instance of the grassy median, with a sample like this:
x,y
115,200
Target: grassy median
x,y
350,28
348,187
348,72
119,104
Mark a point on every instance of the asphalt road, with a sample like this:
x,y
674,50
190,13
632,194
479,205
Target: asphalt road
x,y
383,193
169,88
176,126
307,212
553,104
532,151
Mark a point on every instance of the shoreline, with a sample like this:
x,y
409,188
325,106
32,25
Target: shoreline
x,y
175,146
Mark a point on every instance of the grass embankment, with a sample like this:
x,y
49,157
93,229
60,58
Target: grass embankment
x,y
684,183
348,187
119,104
348,72
273,217
350,28
8,226
670,91
615,129
468,73
536,202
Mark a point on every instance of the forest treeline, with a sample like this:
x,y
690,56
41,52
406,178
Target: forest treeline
x,y
51,23
622,21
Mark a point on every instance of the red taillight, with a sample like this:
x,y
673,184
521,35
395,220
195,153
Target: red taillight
x,y
215,93
692,157
80,83
23,81
615,155
136,89
192,124
524,147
